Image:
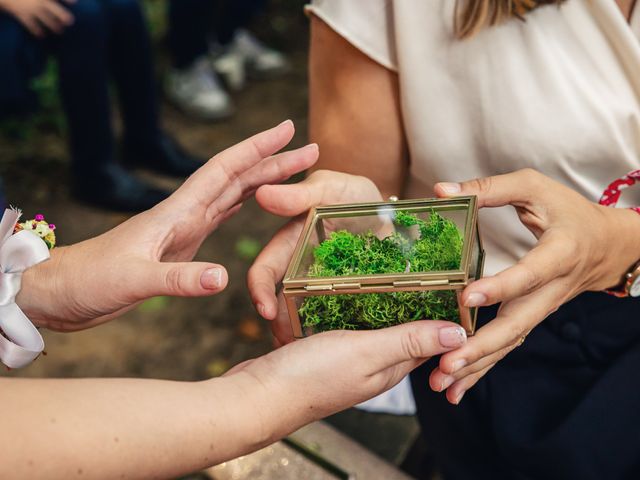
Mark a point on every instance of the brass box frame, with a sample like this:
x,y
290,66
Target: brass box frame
x,y
295,287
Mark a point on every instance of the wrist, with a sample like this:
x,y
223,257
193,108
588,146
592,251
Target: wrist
x,y
37,294
250,411
623,250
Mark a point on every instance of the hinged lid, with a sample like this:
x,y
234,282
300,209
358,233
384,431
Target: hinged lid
x,y
379,216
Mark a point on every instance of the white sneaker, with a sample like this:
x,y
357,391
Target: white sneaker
x,y
230,65
198,92
258,57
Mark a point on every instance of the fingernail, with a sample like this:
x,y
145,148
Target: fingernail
x,y
211,279
446,382
260,308
450,187
286,121
475,299
458,365
451,337
458,399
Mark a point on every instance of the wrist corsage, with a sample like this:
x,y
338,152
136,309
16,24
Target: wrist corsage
x,y
22,245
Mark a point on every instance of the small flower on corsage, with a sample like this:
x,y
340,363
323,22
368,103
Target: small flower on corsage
x,y
46,231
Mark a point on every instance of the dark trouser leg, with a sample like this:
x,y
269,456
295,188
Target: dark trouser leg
x,y
21,58
190,23
236,14
82,58
130,57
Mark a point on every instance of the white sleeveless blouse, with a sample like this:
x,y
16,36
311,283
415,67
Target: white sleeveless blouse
x,y
559,93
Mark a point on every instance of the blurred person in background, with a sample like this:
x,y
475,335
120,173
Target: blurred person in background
x,y
93,41
209,43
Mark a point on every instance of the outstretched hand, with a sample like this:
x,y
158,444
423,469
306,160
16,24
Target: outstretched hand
x,y
581,246
150,254
328,372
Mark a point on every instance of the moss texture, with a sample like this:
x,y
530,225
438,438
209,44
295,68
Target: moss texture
x,y
439,247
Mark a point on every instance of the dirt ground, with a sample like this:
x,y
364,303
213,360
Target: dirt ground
x,y
171,338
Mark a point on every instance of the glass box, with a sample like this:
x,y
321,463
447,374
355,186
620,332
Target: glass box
x,y
373,265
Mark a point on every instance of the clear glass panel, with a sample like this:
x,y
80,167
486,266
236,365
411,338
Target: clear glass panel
x,y
370,311
384,240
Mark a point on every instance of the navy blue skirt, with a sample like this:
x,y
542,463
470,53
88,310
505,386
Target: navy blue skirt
x,y
564,405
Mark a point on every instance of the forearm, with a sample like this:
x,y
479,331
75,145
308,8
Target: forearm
x,y
117,428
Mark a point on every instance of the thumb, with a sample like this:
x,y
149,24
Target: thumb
x,y
289,200
513,188
411,341
184,279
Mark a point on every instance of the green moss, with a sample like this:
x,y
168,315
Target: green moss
x,y
438,247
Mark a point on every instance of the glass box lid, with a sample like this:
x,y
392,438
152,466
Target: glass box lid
x,y
407,243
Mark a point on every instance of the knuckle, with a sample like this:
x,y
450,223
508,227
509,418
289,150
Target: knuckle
x,y
516,332
529,173
482,185
174,280
531,278
411,345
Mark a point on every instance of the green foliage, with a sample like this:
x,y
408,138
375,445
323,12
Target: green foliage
x,y
439,247
247,248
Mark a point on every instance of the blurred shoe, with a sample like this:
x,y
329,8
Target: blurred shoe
x,y
166,156
112,187
198,92
258,57
230,65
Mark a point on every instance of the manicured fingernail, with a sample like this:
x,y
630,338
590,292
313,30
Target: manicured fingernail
x,y
458,399
446,382
458,365
450,187
286,121
475,299
452,337
211,279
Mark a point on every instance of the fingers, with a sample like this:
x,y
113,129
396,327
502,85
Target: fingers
x,y
274,169
419,340
186,279
297,198
269,269
322,187
515,319
223,169
515,188
32,24
458,389
55,16
551,258
281,325
440,381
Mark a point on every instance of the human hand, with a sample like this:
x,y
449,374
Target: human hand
x,y
322,187
581,246
150,254
320,375
40,16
